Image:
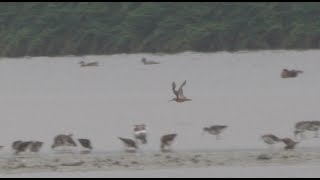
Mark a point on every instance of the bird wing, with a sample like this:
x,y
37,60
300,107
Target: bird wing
x,y
180,91
174,89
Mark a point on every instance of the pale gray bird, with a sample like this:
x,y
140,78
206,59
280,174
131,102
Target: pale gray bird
x,y
146,62
90,64
215,130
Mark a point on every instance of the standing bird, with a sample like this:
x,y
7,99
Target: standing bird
x,y
215,130
16,144
145,62
303,126
271,139
130,144
166,141
315,126
86,143
35,146
140,133
290,144
179,94
63,140
21,146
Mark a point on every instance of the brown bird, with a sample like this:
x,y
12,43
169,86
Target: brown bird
x,y
290,73
290,144
179,94
166,141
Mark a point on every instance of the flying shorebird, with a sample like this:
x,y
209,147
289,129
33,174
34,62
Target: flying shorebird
x,y
130,144
215,130
179,94
145,62
290,144
166,141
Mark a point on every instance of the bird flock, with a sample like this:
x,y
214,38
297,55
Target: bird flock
x,y
140,130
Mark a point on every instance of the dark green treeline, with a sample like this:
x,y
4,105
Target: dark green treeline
x,y
78,28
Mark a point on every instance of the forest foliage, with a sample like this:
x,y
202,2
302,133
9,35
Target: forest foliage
x,y
79,28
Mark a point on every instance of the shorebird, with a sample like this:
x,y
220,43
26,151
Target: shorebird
x,y
303,126
83,64
140,133
315,126
215,130
290,144
63,140
130,144
145,62
179,94
86,143
290,73
271,139
35,146
300,128
21,146
166,141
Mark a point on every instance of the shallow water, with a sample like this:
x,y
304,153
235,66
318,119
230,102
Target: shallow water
x,y
42,97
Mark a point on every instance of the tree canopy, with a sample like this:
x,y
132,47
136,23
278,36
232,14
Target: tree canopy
x,y
78,28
